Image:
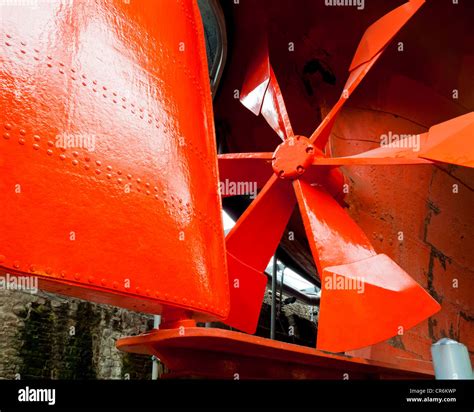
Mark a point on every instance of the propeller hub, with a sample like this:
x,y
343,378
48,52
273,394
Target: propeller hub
x,y
293,157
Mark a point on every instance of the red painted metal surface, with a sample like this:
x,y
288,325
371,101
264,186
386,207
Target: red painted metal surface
x,y
405,92
251,169
254,89
252,242
274,110
261,93
293,157
335,239
118,223
108,174
267,216
370,48
224,354
448,142
379,34
368,294
247,288
451,142
375,291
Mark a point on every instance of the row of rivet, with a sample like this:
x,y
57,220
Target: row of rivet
x,y
174,200
33,269
36,146
96,88
204,219
201,156
196,82
36,138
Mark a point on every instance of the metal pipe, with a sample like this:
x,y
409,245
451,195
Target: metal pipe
x,y
273,306
154,371
451,360
280,295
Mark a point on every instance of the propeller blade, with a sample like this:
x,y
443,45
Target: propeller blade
x,y
247,289
274,109
380,33
370,161
402,152
248,171
251,243
451,141
266,156
261,93
448,142
321,135
333,236
257,78
362,292
373,43
256,235
367,302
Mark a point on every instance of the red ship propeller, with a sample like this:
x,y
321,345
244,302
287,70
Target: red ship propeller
x,y
390,300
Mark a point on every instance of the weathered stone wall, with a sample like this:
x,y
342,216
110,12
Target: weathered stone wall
x,y
48,336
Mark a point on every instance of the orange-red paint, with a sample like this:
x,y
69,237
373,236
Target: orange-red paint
x,y
338,245
128,213
408,212
223,354
293,157
135,221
